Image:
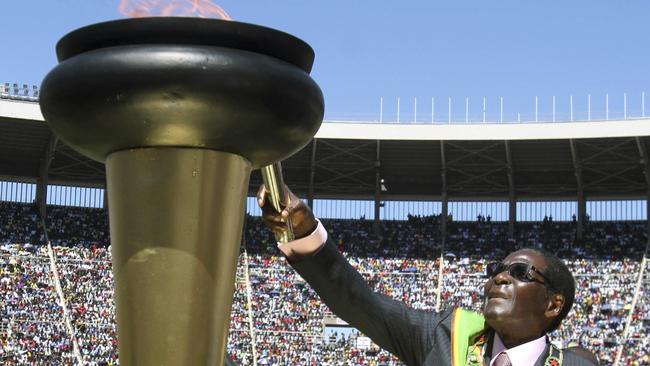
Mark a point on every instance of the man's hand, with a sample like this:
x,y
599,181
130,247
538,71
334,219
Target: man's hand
x,y
302,219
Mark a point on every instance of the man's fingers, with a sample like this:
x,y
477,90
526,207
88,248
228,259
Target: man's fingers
x,y
274,222
262,199
269,214
302,219
293,206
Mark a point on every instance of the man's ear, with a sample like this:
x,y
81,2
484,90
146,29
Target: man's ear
x,y
554,306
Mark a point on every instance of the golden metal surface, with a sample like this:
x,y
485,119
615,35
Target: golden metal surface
x,y
274,183
176,219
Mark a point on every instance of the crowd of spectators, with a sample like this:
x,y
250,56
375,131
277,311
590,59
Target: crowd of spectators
x,y
87,284
67,226
400,258
20,223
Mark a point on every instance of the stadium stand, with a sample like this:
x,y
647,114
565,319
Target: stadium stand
x,y
56,302
401,260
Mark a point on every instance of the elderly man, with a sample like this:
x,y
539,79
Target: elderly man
x,y
527,295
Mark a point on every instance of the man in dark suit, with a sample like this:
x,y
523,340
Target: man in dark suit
x,y
527,295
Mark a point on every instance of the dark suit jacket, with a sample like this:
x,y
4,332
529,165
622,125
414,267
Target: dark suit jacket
x,y
416,337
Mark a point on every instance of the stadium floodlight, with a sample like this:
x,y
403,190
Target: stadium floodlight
x,y
180,110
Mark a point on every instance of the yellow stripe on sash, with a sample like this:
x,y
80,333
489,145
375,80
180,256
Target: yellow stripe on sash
x,y
455,350
465,326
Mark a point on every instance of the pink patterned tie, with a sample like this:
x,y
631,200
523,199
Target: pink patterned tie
x,y
502,360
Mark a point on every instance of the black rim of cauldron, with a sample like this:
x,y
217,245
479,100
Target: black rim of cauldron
x,y
188,31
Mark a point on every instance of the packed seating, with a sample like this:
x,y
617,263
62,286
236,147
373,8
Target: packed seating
x,y
400,258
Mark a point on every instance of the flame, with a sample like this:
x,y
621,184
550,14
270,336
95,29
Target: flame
x,y
166,8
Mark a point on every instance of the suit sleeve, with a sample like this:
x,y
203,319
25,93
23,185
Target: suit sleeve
x,y
580,357
405,332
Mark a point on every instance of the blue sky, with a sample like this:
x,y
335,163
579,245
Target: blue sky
x,y
412,49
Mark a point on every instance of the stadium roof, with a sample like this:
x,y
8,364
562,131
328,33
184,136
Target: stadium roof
x,y
544,159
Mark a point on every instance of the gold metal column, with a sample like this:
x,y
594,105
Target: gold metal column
x,y
176,224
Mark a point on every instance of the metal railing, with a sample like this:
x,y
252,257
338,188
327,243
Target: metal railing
x,y
448,110
24,92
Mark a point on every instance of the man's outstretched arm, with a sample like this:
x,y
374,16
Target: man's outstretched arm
x,y
403,331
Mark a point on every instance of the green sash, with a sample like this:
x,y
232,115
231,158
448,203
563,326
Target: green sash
x,y
468,340
466,327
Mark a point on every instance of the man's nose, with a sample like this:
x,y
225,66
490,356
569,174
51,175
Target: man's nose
x,y
502,278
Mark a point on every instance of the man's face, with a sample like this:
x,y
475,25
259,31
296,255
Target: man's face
x,y
515,304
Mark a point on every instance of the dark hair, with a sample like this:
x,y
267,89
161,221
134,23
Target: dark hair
x,y
562,282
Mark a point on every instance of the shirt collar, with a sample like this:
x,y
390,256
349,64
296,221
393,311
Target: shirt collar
x,y
523,355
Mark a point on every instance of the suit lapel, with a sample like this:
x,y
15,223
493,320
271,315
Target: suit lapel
x,y
542,358
488,350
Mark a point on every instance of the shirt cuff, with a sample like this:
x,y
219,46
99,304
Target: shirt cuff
x,y
309,245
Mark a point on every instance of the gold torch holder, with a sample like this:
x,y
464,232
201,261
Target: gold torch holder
x,y
274,183
180,110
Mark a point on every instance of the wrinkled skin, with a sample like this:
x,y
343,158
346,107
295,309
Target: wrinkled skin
x,y
520,311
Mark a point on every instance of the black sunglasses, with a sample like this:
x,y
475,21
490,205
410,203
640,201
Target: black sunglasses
x,y
520,271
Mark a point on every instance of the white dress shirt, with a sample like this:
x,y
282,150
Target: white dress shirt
x,y
523,355
309,244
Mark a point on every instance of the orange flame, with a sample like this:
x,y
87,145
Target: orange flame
x,y
166,8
